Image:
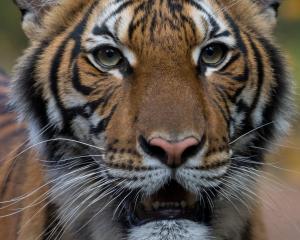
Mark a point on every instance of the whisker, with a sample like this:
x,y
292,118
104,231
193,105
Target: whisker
x,y
250,132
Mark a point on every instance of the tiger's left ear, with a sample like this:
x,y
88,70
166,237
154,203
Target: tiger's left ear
x,y
33,12
269,9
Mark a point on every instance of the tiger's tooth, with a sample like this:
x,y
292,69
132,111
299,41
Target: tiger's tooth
x,y
163,204
155,205
183,204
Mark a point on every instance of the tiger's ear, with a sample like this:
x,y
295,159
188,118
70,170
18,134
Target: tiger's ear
x,y
33,12
269,9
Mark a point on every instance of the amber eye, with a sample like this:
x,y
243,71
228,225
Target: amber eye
x,y
214,54
108,57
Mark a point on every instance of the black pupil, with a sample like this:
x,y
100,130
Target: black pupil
x,y
210,51
110,53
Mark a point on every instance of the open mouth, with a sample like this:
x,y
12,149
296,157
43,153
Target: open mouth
x,y
170,203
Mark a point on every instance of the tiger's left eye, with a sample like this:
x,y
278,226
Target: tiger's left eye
x,y
108,57
214,54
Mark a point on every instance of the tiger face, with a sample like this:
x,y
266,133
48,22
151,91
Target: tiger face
x,y
152,114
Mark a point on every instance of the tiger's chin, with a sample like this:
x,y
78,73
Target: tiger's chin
x,y
177,229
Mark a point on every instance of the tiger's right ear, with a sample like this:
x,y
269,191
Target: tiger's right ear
x,y
32,15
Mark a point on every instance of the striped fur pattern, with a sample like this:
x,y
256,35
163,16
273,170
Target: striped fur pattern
x,y
88,121
9,127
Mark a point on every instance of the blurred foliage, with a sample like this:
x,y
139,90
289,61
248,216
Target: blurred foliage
x,y
291,9
12,39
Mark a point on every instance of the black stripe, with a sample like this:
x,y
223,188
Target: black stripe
x,y
56,63
225,99
212,21
31,94
197,6
76,80
153,25
174,7
280,92
226,118
53,78
237,33
103,124
260,73
76,35
222,34
232,60
241,105
191,23
95,104
108,97
243,77
120,9
103,30
136,23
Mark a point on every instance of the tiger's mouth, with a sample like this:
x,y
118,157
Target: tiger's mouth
x,y
169,203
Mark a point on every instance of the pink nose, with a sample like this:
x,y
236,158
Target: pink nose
x,y
174,151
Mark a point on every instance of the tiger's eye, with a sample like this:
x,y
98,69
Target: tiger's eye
x,y
213,54
109,57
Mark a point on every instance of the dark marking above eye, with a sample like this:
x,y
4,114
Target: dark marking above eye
x,y
103,30
222,34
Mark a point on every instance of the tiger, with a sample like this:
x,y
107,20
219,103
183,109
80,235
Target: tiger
x,y
143,120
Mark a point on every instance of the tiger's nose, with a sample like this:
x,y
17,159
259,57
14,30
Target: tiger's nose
x,y
172,154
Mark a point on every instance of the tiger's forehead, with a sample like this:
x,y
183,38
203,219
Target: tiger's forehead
x,y
158,23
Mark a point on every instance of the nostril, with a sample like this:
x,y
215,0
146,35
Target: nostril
x,y
193,149
151,150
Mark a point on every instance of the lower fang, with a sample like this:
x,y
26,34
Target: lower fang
x,y
183,204
155,205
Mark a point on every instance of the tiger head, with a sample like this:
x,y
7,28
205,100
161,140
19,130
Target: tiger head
x,y
152,113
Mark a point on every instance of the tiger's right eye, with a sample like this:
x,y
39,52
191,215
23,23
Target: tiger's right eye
x,y
108,57
214,54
